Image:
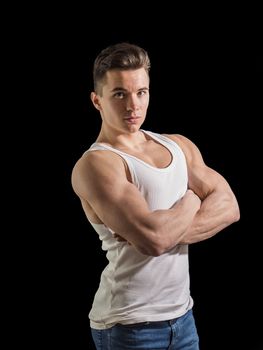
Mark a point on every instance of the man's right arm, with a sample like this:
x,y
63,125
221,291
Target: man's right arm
x,y
100,179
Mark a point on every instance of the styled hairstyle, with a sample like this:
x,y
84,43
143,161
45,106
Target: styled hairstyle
x,y
124,56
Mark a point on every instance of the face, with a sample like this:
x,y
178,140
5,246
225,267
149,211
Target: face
x,y
125,99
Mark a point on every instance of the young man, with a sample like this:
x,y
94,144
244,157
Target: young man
x,y
147,196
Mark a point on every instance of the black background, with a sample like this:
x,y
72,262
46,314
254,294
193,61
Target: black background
x,y
201,87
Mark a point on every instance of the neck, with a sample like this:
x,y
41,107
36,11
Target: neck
x,y
121,139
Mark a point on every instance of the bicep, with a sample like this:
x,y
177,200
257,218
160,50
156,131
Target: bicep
x,y
118,204
202,179
103,183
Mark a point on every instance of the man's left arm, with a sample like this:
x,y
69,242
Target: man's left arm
x,y
219,207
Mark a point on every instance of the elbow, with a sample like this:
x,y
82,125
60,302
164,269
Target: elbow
x,y
154,240
152,245
234,212
237,215
157,251
154,251
156,246
162,246
151,249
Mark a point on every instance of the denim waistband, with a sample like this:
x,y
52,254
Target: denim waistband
x,y
157,324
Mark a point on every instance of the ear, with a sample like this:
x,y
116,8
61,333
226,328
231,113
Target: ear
x,y
95,100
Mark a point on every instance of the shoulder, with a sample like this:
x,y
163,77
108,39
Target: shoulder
x,y
97,161
180,139
189,148
100,166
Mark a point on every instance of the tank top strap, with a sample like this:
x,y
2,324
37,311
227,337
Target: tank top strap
x,y
164,140
102,147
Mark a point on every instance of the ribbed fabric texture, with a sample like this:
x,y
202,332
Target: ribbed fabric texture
x,y
136,287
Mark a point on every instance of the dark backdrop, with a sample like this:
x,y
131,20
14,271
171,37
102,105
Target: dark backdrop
x,y
199,88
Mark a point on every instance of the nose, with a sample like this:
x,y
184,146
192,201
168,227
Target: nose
x,y
132,103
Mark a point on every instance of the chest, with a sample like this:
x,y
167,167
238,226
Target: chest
x,y
160,185
154,154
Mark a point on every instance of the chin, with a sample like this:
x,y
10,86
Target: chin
x,y
134,128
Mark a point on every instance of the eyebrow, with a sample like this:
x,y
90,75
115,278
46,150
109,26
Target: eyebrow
x,y
122,89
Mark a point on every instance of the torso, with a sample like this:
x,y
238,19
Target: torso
x,y
151,152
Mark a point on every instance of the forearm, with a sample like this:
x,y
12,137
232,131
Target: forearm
x,y
218,210
170,226
161,230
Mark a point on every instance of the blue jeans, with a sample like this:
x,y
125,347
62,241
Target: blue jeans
x,y
177,334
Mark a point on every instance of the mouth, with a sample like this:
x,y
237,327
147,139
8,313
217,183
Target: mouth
x,y
132,119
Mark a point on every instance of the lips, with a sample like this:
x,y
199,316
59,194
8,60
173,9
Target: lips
x,y
132,119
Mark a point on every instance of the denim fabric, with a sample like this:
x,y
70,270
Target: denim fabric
x,y
178,334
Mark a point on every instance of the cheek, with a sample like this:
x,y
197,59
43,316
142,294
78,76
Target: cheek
x,y
145,104
115,110
111,107
146,100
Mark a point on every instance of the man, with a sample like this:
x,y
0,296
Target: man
x,y
147,196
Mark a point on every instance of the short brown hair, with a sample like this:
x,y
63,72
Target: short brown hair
x,y
122,56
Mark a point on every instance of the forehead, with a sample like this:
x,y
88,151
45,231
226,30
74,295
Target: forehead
x,y
127,79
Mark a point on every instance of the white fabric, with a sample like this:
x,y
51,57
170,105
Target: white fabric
x,y
135,287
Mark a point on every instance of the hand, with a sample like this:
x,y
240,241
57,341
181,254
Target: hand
x,y
195,197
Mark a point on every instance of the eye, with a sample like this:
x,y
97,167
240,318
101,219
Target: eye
x,y
119,95
142,93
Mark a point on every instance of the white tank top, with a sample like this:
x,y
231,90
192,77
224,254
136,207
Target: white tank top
x,y
135,287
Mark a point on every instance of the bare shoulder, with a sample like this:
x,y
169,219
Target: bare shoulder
x,y
190,149
202,178
96,168
96,160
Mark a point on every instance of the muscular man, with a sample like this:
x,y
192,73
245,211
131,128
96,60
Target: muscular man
x,y
147,196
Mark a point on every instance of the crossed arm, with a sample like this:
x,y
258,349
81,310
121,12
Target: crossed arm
x,y
100,180
219,207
